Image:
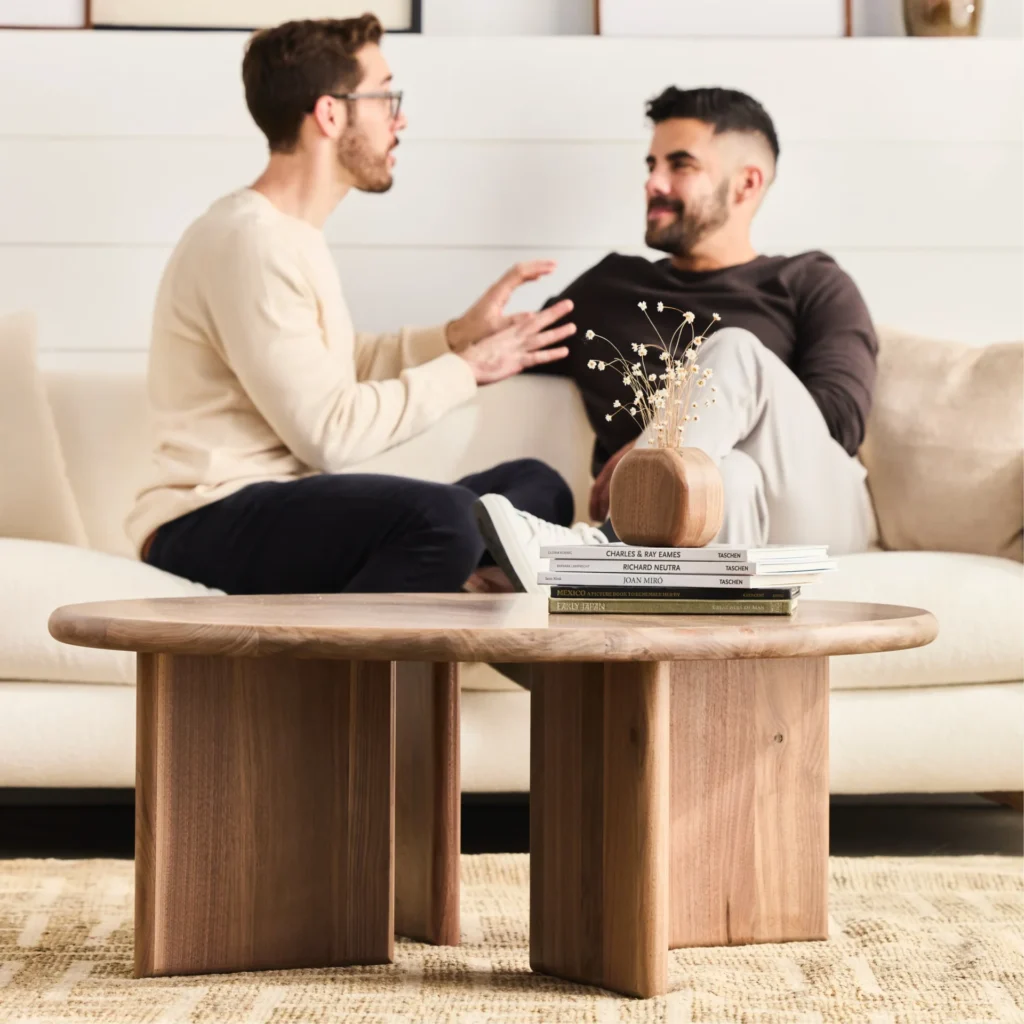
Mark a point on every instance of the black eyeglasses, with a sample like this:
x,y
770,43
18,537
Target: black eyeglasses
x,y
393,98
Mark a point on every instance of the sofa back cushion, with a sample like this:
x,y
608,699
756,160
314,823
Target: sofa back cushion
x,y
101,417
944,448
36,500
102,421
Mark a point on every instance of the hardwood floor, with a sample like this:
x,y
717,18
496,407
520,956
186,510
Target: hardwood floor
x,y
48,823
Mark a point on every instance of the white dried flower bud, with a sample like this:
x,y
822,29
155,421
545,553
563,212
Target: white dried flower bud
x,y
589,335
695,418
689,317
632,411
636,368
665,357
642,305
713,388
626,380
715,316
616,404
592,364
600,365
608,416
714,401
700,383
707,405
641,351
634,346
651,376
661,307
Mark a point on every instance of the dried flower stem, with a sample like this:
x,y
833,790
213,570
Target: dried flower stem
x,y
663,402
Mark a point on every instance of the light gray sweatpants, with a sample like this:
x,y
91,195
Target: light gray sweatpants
x,y
786,480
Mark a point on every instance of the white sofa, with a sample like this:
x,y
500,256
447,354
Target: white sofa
x,y
945,718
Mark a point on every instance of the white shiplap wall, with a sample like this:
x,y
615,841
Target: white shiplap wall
x,y
901,157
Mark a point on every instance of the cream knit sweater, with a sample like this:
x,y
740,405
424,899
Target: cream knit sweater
x,y
255,371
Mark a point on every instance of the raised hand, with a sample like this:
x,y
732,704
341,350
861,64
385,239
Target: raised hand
x,y
487,316
525,342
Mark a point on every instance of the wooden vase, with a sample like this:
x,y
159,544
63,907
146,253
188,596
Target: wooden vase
x,y
666,497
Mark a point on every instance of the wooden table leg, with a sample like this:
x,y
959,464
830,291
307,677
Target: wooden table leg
x,y
264,814
749,842
599,825
427,808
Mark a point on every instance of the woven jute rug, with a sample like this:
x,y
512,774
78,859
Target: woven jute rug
x,y
915,940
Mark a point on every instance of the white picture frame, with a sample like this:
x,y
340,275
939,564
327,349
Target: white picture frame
x,y
756,19
395,15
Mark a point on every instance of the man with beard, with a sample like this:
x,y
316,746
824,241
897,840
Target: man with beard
x,y
793,360
262,393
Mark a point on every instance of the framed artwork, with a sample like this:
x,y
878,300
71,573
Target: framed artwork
x,y
44,13
789,19
395,15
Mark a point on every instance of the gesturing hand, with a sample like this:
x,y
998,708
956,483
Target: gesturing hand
x,y
599,493
487,315
525,342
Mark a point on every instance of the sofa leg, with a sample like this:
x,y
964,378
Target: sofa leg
x,y
1013,800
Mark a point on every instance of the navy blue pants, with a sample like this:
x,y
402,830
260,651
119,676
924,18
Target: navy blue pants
x,y
354,533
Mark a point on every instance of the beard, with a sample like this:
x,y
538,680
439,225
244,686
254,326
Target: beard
x,y
369,169
691,224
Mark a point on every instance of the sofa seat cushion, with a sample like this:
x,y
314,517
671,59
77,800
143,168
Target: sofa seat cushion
x,y
38,576
977,599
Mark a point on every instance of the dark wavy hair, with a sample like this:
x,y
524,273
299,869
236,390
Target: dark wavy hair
x,y
287,68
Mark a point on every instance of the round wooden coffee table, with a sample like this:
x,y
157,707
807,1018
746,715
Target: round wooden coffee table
x,y
297,790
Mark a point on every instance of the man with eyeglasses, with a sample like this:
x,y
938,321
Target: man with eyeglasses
x,y
262,393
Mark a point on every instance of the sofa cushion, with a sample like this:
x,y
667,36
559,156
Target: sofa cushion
x,y
36,577
978,600
102,421
943,446
36,500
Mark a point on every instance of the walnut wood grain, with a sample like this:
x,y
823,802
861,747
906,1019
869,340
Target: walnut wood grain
x,y
265,817
667,497
599,806
749,792
427,802
477,627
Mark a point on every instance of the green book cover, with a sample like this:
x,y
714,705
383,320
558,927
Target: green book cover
x,y
634,606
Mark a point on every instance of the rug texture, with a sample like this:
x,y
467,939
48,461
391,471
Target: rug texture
x,y
913,941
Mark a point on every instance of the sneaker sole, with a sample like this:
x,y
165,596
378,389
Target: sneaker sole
x,y
490,530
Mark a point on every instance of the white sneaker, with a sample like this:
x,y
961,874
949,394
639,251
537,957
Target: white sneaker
x,y
514,539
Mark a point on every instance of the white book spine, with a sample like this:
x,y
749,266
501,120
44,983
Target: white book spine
x,y
617,579
676,568
619,552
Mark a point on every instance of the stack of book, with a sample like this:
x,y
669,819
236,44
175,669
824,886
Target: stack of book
x,y
713,580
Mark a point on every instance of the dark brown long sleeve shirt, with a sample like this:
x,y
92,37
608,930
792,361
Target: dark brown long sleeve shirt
x,y
804,308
